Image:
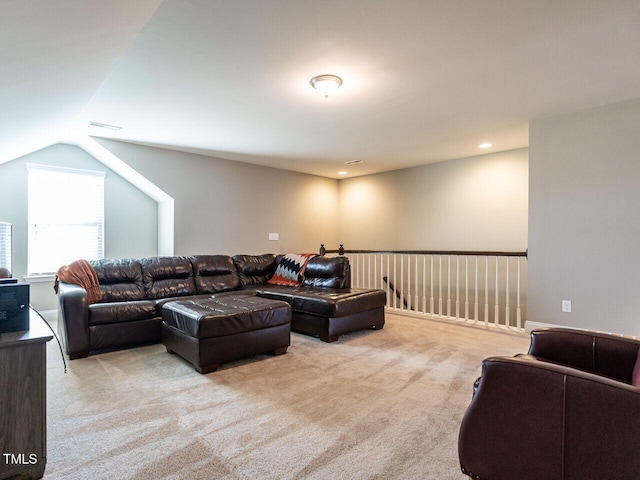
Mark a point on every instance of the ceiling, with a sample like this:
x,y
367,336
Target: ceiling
x,y
424,80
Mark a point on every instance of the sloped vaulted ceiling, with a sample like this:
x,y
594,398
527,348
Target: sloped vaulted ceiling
x,y
54,55
424,81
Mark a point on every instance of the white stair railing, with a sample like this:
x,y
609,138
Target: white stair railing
x,y
475,287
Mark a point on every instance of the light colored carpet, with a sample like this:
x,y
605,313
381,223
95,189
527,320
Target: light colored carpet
x,y
375,405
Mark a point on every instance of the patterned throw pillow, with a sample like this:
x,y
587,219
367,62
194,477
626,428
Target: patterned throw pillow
x,y
290,270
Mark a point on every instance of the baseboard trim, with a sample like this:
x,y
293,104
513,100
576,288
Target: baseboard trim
x,y
456,321
529,326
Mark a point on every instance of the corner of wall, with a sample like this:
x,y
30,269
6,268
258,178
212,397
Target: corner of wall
x,y
165,202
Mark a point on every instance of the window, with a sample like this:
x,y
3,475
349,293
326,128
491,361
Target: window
x,y
66,217
5,245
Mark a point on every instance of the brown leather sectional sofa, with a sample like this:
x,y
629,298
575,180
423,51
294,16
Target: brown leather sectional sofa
x,y
134,291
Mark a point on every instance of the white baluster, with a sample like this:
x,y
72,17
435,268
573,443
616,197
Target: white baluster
x,y
375,270
476,309
486,290
403,297
352,263
431,300
388,280
496,319
440,286
416,304
448,285
457,286
395,282
507,319
366,270
518,312
466,287
408,295
424,284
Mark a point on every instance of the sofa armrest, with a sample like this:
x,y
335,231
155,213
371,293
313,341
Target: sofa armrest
x,y
602,353
73,319
328,272
531,420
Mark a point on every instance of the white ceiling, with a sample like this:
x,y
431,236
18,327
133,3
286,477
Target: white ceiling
x,y
424,80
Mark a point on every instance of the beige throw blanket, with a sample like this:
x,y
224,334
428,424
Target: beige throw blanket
x,y
80,273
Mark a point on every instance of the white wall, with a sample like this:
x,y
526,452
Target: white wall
x,y
369,212
584,225
230,207
477,203
129,232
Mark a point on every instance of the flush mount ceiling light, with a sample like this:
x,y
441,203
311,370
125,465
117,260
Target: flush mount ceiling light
x,y
326,84
485,145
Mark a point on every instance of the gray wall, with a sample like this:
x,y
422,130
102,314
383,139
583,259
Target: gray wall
x,y
584,224
230,207
129,232
477,203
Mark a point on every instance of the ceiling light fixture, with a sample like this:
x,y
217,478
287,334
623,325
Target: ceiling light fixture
x,y
342,172
485,145
326,84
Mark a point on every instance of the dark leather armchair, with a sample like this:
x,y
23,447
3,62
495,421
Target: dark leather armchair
x,y
569,409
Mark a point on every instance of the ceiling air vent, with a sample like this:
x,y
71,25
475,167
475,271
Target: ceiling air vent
x,y
104,125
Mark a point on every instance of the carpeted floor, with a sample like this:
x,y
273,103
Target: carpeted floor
x,y
375,405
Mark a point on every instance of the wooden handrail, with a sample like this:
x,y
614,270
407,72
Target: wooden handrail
x,y
398,294
342,251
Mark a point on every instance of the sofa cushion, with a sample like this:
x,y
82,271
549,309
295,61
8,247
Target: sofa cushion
x,y
255,269
117,312
214,273
329,272
168,277
120,280
290,269
326,302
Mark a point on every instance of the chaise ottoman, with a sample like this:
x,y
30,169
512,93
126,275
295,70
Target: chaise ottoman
x,y
209,331
330,312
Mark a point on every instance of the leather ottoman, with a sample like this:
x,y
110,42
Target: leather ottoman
x,y
207,332
330,312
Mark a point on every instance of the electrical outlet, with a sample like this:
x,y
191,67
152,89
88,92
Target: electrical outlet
x,y
274,236
566,306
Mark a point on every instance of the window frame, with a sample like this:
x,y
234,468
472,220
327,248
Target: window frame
x,y
60,228
6,254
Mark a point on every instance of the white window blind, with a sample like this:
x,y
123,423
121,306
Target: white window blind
x,y
5,245
66,217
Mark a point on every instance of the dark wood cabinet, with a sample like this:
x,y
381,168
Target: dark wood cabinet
x,y
23,396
